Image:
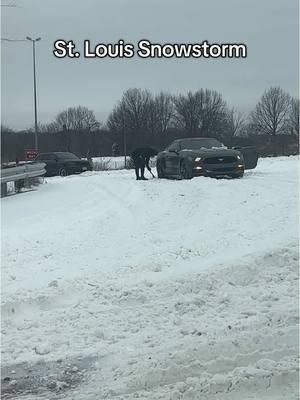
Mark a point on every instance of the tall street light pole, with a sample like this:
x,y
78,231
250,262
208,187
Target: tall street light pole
x,y
34,91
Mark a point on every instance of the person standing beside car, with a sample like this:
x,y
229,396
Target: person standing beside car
x,y
141,158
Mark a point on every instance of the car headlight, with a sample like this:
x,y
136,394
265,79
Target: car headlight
x,y
239,157
197,159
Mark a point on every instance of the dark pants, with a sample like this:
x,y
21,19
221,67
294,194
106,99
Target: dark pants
x,y
139,166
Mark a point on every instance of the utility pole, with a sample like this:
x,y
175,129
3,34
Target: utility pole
x,y
124,138
125,146
34,92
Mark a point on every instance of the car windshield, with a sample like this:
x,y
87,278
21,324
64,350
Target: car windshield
x,y
67,156
195,144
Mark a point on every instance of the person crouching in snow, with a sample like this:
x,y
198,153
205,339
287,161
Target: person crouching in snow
x,y
141,158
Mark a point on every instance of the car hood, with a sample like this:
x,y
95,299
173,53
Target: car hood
x,y
216,152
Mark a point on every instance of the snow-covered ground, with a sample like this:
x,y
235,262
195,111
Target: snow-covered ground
x,y
175,289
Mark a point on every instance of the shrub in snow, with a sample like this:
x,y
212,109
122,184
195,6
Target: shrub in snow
x,y
102,164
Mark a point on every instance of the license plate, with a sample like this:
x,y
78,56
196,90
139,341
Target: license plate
x,y
84,168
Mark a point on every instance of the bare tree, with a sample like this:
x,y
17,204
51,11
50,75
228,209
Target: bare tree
x,y
236,123
76,119
72,121
270,116
188,110
132,114
160,113
116,119
203,112
215,115
294,116
48,128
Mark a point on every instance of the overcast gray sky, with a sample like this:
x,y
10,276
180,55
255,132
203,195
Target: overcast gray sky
x,y
269,28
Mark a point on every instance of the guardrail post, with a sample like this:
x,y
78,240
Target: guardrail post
x,y
3,189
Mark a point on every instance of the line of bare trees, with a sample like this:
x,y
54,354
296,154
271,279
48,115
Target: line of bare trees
x,y
148,119
204,113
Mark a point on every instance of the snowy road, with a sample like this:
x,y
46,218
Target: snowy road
x,y
181,289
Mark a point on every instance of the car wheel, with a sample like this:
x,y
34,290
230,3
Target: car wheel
x,y
63,172
185,171
160,171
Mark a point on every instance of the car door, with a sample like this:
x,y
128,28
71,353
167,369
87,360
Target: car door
x,y
172,159
250,156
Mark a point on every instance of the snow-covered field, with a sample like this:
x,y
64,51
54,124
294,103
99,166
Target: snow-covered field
x,y
169,289
115,163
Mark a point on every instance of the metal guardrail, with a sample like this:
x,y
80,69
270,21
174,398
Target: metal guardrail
x,y
21,172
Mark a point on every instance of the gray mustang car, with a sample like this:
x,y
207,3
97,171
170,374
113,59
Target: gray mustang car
x,y
187,158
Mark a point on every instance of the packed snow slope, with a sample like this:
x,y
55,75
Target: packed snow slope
x,y
181,289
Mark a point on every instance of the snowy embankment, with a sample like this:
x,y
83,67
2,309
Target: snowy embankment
x,y
181,289
114,163
109,163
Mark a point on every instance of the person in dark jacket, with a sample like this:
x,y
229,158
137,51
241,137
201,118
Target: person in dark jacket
x,y
141,158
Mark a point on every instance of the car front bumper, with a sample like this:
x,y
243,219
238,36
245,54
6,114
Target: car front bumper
x,y
220,170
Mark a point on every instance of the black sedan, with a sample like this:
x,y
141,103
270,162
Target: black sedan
x,y
187,158
63,163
